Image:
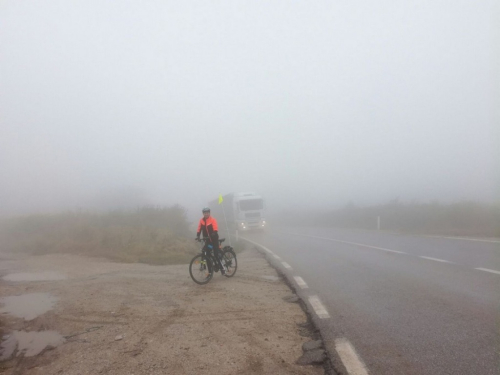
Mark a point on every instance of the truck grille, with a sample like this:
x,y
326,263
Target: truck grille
x,y
252,215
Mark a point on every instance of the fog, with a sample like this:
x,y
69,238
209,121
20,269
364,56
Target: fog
x,y
311,104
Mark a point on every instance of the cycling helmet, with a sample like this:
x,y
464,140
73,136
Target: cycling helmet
x,y
205,209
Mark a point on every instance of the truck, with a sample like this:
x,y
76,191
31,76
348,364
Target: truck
x,y
242,211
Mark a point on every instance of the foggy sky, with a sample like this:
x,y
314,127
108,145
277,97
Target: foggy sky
x,y
308,103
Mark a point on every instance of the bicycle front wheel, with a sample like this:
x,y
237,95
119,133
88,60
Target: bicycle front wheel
x,y
201,269
229,262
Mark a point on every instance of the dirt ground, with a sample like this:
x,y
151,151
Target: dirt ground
x,y
138,319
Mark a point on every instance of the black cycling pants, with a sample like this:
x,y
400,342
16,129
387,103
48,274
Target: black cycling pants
x,y
215,243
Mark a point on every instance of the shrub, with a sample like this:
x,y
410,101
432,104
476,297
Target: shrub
x,y
458,219
154,235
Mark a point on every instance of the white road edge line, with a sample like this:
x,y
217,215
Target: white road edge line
x,y
488,270
350,358
348,355
464,239
436,259
318,307
286,265
300,282
351,243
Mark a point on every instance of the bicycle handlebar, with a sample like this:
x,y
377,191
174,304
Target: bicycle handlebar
x,y
204,239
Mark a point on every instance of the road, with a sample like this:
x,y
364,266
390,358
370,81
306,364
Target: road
x,y
403,304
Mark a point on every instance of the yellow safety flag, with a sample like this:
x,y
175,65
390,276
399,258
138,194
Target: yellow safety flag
x,y
220,198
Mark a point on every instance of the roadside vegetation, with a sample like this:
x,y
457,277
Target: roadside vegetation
x,y
456,219
153,235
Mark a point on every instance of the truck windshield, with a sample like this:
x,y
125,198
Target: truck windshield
x,y
251,204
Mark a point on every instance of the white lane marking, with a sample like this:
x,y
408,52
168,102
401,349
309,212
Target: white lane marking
x,y
318,307
276,256
487,270
286,265
351,243
465,239
300,282
380,248
436,259
350,358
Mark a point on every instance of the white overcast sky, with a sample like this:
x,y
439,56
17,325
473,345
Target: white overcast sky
x,y
306,102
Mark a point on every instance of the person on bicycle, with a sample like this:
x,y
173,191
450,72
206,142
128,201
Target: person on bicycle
x,y
208,225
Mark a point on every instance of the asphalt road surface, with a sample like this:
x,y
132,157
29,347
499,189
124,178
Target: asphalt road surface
x,y
402,304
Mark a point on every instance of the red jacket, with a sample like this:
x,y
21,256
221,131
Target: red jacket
x,y
208,226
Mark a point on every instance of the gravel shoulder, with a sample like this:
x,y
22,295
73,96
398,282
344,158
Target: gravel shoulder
x,y
138,319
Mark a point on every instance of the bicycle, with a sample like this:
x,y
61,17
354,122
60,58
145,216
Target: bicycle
x,y
202,266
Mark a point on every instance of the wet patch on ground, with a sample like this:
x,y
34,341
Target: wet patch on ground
x,y
27,306
28,344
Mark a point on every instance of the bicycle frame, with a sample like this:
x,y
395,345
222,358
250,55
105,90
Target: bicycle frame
x,y
210,254
205,263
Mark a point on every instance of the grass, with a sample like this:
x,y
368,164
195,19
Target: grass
x,y
152,235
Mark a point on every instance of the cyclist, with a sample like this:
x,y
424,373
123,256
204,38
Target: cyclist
x,y
208,225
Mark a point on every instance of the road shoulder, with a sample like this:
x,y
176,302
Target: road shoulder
x,y
134,318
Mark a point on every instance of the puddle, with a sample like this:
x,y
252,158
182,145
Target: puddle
x,y
28,276
29,343
28,306
272,278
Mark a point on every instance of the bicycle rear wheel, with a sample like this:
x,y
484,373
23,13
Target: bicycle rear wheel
x,y
229,262
201,269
